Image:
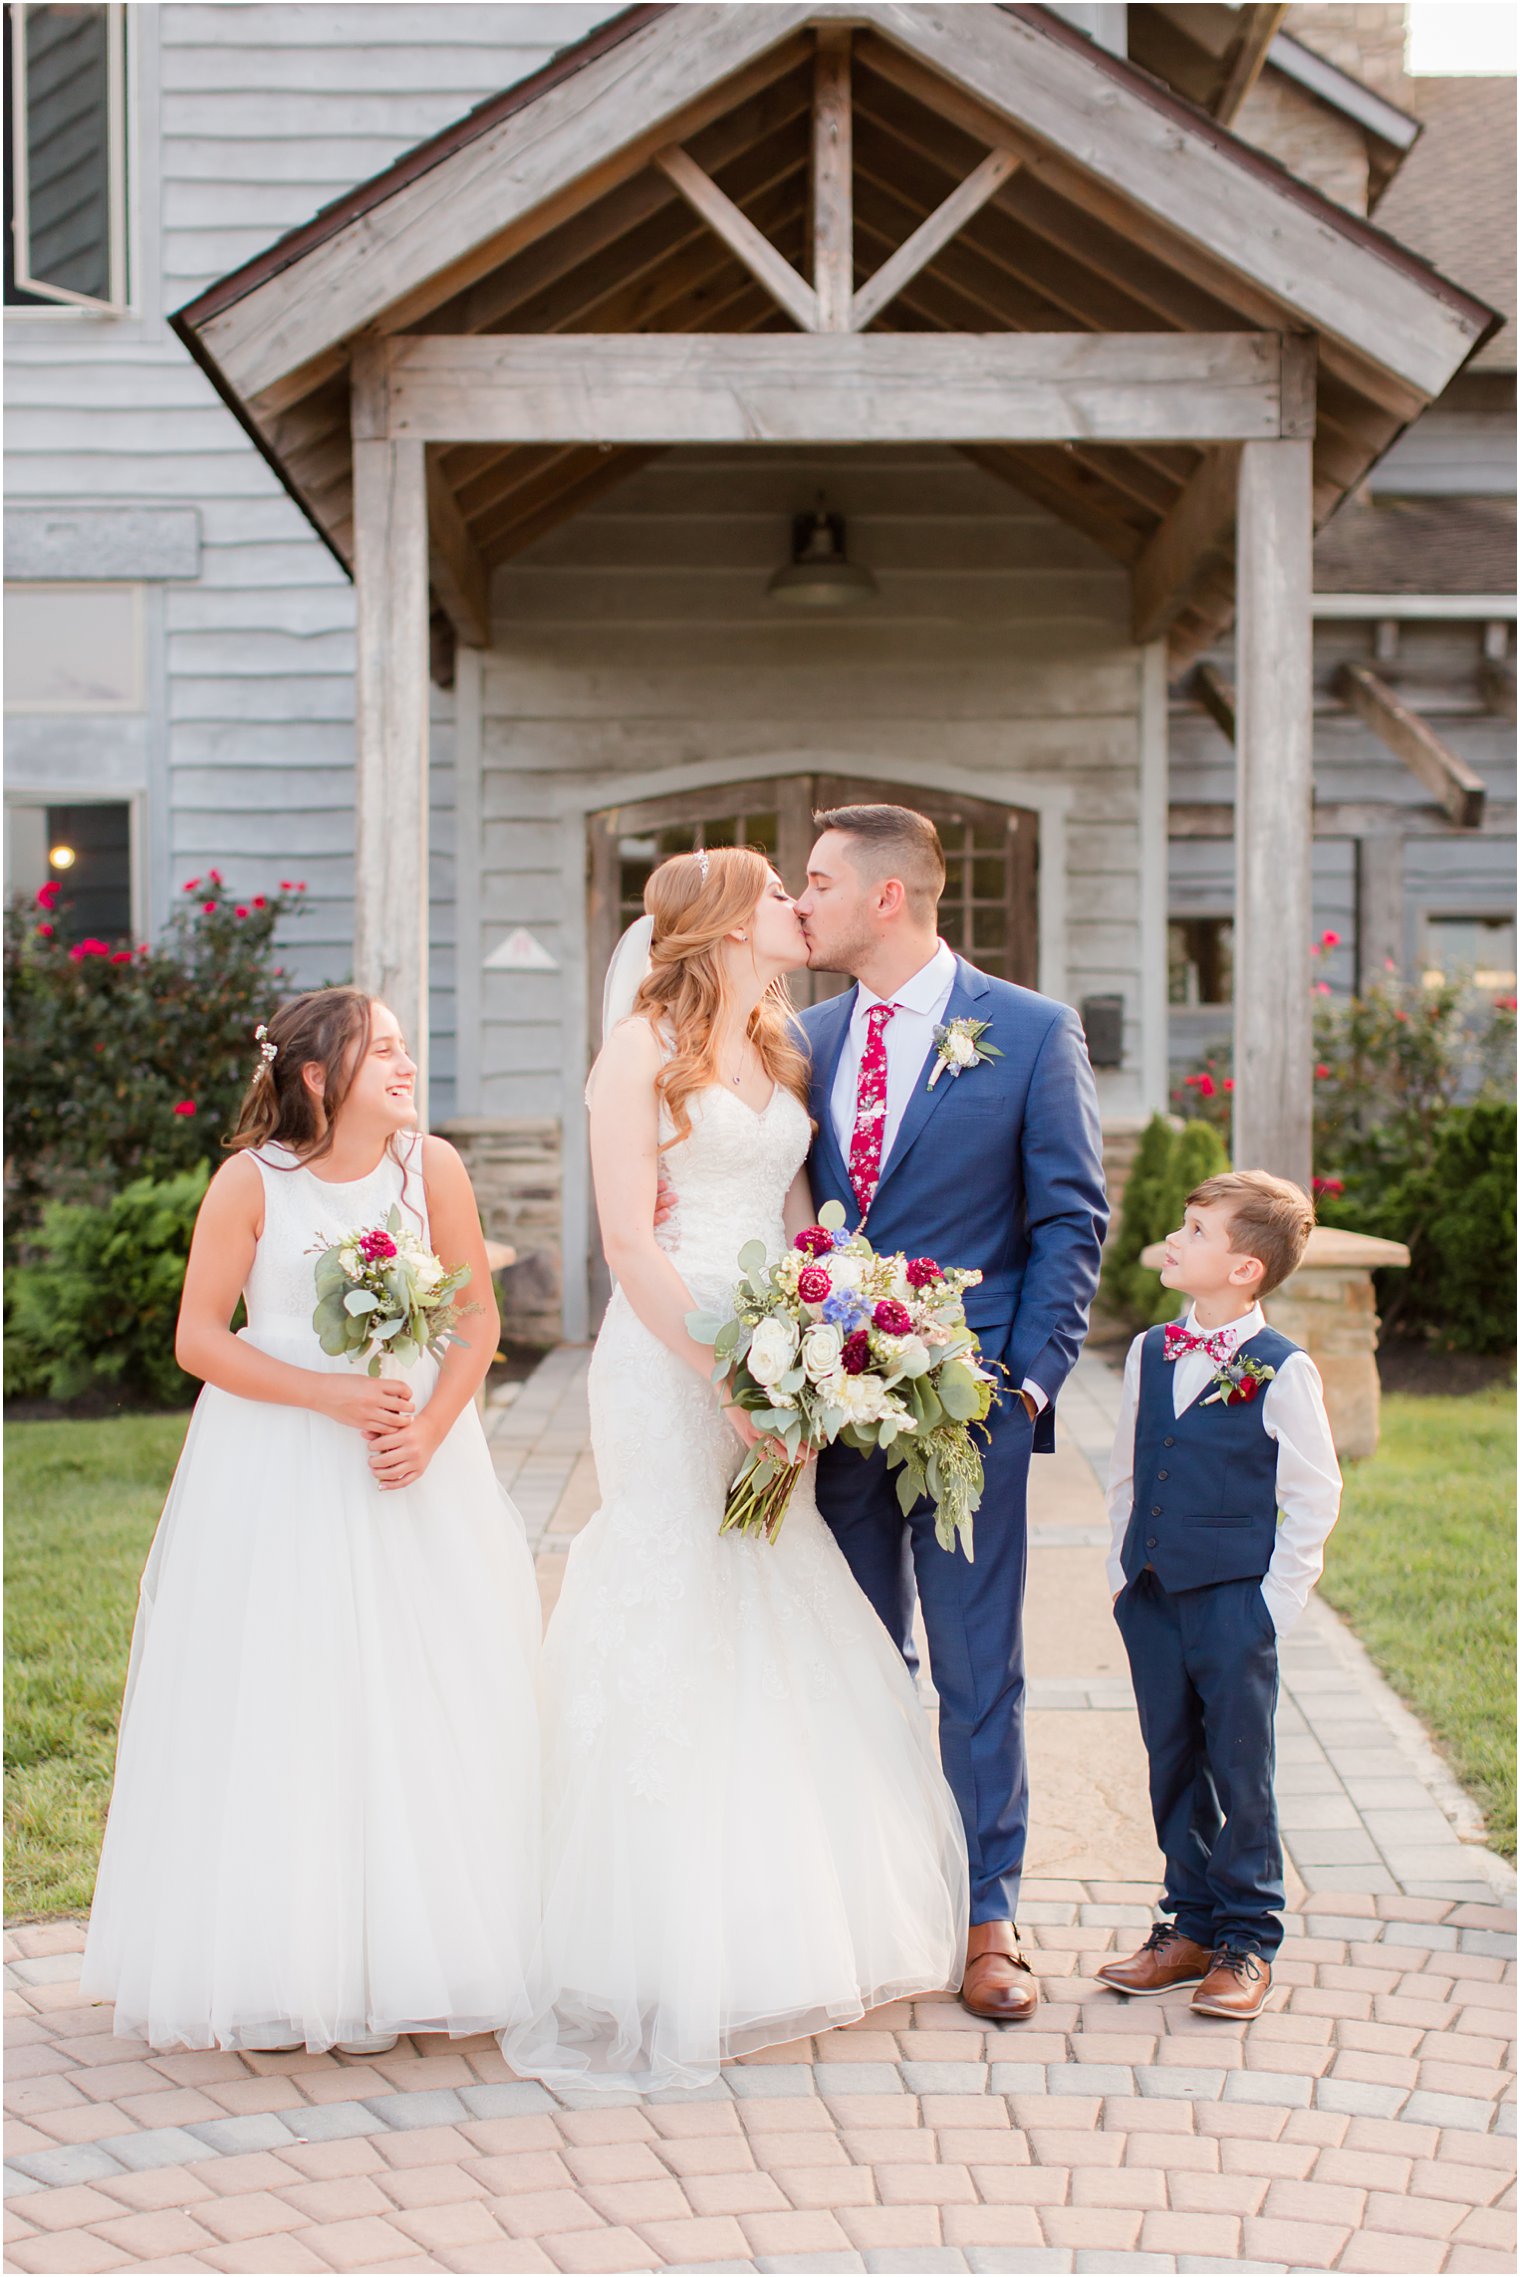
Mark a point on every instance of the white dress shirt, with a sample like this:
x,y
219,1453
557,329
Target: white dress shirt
x,y
921,1004
1308,1475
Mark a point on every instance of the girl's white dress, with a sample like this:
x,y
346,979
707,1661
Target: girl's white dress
x,y
325,1817
747,1833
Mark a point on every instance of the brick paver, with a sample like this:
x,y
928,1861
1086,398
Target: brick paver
x,y
1365,2123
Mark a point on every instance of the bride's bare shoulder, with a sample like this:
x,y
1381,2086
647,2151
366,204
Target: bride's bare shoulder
x,y
627,1064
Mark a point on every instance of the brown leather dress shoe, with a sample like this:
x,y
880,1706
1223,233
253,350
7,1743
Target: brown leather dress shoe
x,y
1167,1958
999,1983
1238,1985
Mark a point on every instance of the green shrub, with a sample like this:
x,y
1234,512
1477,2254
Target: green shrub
x,y
98,1308
1456,1210
1168,1165
129,1063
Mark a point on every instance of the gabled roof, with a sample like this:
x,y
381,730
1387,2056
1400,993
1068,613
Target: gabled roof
x,y
1130,211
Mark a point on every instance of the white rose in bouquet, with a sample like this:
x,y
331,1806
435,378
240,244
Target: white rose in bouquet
x,y
821,1348
960,1048
865,1399
845,1270
773,1347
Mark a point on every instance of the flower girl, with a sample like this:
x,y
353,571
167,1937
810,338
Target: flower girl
x,y
324,1824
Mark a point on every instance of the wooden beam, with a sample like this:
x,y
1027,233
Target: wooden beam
x,y
789,291
835,388
932,235
535,168
1274,796
1256,28
1154,158
1200,523
1217,696
457,573
833,180
1496,677
1338,818
1411,739
391,691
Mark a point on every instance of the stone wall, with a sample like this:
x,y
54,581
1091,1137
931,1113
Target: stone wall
x,y
514,1165
1364,37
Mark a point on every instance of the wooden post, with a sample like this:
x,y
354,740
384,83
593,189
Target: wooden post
x,y
1274,806
391,688
833,180
1379,905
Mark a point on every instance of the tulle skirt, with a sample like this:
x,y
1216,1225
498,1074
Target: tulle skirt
x,y
325,1817
747,1837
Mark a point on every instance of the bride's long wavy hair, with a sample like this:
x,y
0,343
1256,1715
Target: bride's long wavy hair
x,y
695,902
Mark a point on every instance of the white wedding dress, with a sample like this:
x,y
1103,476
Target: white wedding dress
x,y
326,1805
747,1834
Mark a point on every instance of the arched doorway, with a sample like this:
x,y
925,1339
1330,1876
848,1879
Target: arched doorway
x,y
990,910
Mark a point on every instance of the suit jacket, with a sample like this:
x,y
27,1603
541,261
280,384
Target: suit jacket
x,y
999,1167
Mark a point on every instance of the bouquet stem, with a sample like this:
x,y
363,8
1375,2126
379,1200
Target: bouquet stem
x,y
760,1495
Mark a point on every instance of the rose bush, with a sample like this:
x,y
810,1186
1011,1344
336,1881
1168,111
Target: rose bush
x,y
130,1063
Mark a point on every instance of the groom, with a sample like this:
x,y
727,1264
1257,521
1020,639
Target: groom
x,y
999,1167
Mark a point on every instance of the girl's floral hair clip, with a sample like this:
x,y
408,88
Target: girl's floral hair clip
x,y
268,1052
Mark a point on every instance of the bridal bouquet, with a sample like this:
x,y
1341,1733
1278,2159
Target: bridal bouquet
x,y
835,1342
381,1293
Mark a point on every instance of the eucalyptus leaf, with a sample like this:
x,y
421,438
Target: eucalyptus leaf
x,y
704,1327
831,1216
752,1257
361,1300
958,1392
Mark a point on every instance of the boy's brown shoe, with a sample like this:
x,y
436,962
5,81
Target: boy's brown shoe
x,y
1238,1985
1166,1959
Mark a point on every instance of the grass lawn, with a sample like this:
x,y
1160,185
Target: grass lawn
x,y
81,1504
1422,1565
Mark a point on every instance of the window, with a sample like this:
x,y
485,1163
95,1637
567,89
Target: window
x,y
86,850
66,156
74,648
1200,961
1479,949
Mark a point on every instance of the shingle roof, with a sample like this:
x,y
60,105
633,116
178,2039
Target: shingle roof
x,y
1418,545
1453,199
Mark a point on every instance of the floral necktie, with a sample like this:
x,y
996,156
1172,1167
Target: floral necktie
x,y
870,1108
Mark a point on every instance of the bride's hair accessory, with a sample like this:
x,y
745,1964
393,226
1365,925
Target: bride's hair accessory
x,y
699,856
268,1052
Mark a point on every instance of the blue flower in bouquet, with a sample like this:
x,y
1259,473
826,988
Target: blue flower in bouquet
x,y
846,1309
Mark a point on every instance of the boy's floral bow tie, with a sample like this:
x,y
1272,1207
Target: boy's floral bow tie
x,y
1179,1340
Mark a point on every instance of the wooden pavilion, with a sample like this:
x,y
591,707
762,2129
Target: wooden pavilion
x,y
858,228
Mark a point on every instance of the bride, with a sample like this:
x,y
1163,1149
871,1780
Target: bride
x,y
748,1835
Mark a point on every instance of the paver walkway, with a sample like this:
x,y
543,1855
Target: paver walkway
x,y
1365,2122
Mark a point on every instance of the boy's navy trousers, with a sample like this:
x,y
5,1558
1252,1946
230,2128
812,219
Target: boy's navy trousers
x,y
1204,1664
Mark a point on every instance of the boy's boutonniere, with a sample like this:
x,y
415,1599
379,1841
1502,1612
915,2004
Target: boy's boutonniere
x,y
1238,1382
958,1045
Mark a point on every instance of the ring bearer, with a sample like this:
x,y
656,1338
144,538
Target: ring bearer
x,y
1222,1489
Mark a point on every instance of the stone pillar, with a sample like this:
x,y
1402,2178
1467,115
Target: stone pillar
x,y
514,1166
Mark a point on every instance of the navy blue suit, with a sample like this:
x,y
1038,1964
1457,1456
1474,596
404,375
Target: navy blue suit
x,y
999,1168
1203,1650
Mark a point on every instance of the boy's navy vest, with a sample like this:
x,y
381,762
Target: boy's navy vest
x,y
1205,1482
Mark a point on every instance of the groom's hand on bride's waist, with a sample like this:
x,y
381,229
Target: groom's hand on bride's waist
x,y
664,1200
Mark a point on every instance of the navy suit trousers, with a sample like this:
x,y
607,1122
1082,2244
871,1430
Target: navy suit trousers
x,y
1204,1663
974,1619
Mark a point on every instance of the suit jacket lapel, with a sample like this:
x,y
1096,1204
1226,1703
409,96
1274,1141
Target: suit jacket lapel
x,y
970,986
828,1040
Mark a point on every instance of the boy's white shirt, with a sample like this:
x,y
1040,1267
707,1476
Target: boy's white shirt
x,y
1308,1475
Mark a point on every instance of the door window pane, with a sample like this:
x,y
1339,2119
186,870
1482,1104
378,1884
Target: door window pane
x,y
640,852
86,850
1200,960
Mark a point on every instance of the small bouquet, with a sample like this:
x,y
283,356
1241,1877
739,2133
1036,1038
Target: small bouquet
x,y
381,1293
835,1342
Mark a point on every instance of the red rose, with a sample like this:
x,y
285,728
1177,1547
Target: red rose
x,y
46,931
208,908
215,876
892,1318
816,1240
184,1106
191,884
89,948
300,885
47,895
813,1284
1229,1083
241,910
856,1356
286,886
1205,1086
376,1247
122,957
1330,940
1249,1387
259,902
921,1271
1321,1072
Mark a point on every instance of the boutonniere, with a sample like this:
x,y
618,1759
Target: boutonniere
x,y
958,1045
1238,1382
